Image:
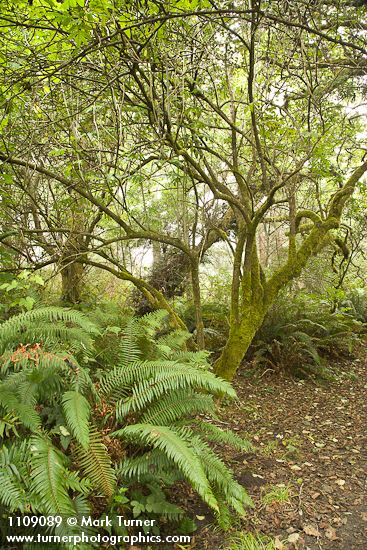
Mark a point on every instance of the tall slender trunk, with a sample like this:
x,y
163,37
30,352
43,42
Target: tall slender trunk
x,y
196,293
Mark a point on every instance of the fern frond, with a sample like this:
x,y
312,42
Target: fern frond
x,y
153,321
48,477
227,437
154,462
13,493
174,340
129,348
39,323
96,464
77,484
198,358
177,405
221,477
77,410
24,411
165,377
81,506
174,446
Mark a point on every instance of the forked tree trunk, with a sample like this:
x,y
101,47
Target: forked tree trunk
x,y
253,295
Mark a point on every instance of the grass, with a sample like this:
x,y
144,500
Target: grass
x,y
277,494
249,541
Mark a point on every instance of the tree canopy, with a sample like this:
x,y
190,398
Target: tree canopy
x,y
174,126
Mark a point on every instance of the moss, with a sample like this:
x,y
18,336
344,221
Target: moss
x,y
239,340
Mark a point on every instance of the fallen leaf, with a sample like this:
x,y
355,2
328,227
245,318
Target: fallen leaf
x,y
200,518
340,482
311,530
330,533
278,544
364,516
314,496
296,468
293,538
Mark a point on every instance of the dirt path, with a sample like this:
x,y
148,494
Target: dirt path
x,y
310,458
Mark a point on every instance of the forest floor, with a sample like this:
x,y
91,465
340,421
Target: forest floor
x,y
307,474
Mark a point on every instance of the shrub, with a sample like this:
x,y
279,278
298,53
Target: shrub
x,y
157,401
298,333
62,419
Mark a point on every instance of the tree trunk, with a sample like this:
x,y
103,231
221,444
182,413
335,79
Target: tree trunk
x,y
72,278
200,335
240,337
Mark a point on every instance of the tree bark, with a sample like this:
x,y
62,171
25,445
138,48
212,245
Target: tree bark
x,y
72,278
239,340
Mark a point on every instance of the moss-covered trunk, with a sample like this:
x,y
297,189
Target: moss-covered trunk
x,y
239,340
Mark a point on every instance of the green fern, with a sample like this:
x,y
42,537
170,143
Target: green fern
x,y
221,477
177,405
96,464
129,347
175,447
156,386
48,478
24,411
48,322
14,461
161,399
163,376
77,411
224,437
173,378
154,463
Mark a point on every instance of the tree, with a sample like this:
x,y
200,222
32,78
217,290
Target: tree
x,y
245,106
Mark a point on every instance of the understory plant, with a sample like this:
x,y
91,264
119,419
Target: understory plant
x,y
249,541
52,456
158,394
299,333
74,427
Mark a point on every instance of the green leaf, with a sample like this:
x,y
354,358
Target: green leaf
x,y
165,439
77,411
49,477
96,464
